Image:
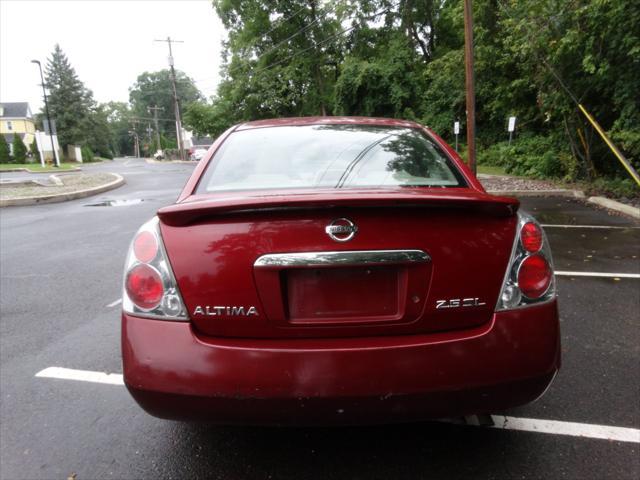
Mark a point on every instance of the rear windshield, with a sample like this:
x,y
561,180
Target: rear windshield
x,y
328,156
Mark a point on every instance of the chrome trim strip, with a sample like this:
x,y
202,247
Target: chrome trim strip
x,y
346,258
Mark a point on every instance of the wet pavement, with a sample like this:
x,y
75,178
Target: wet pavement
x,y
570,211
59,285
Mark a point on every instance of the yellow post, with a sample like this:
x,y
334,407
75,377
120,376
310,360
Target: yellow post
x,y
616,152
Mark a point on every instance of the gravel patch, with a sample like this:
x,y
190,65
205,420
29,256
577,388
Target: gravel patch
x,y
70,183
499,183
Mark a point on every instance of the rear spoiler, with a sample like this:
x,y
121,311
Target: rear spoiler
x,y
198,207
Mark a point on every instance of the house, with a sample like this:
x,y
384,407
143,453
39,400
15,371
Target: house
x,y
16,119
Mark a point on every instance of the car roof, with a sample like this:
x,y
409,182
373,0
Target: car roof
x,y
297,121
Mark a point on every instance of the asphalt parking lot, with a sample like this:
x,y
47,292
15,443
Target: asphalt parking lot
x,y
60,281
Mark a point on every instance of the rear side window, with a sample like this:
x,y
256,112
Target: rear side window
x,y
328,156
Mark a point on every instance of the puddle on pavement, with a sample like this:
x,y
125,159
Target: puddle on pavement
x,y
116,203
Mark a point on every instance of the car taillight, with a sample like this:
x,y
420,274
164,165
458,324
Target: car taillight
x,y
150,289
144,286
531,237
145,246
534,276
529,278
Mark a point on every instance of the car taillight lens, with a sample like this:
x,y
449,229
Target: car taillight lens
x,y
534,276
144,286
145,246
150,288
531,237
529,277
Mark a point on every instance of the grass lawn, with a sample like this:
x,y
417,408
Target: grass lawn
x,y
36,167
488,170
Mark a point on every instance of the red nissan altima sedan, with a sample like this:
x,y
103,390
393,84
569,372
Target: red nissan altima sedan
x,y
337,270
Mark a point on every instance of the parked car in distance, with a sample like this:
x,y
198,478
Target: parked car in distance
x,y
337,270
198,154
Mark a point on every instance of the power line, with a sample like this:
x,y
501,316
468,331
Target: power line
x,y
340,33
303,29
276,24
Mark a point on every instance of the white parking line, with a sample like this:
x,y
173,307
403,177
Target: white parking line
x,y
553,427
597,274
81,375
113,304
602,227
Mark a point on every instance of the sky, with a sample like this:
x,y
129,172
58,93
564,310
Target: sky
x,y
108,43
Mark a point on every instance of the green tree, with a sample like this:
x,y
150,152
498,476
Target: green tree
x,y
155,89
208,119
98,135
33,149
118,115
5,153
79,120
406,59
19,150
69,100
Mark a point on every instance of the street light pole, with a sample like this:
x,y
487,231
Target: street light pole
x,y
56,162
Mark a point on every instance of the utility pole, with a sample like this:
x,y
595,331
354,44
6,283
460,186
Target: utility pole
x,y
56,160
175,95
149,130
136,137
470,85
155,109
136,145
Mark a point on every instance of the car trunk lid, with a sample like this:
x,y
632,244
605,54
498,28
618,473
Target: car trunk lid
x,y
263,266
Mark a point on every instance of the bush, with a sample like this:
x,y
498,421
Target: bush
x,y
614,187
5,155
35,154
629,142
19,150
87,154
171,154
534,156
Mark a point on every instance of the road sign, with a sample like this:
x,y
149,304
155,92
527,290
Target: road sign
x,y
456,128
512,124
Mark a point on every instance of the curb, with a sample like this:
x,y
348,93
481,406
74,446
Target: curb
x,y
26,170
63,197
614,205
560,192
151,160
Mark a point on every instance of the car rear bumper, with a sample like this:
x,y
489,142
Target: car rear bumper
x,y
173,372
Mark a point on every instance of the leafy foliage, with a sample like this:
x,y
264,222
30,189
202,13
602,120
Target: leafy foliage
x,y
87,154
78,119
118,118
19,150
33,150
533,156
155,89
5,153
406,59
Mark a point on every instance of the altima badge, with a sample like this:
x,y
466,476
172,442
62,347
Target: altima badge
x,y
341,230
225,310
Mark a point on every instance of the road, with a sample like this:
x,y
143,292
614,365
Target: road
x,y
61,270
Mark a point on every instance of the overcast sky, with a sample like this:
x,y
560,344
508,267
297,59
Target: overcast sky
x,y
109,43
